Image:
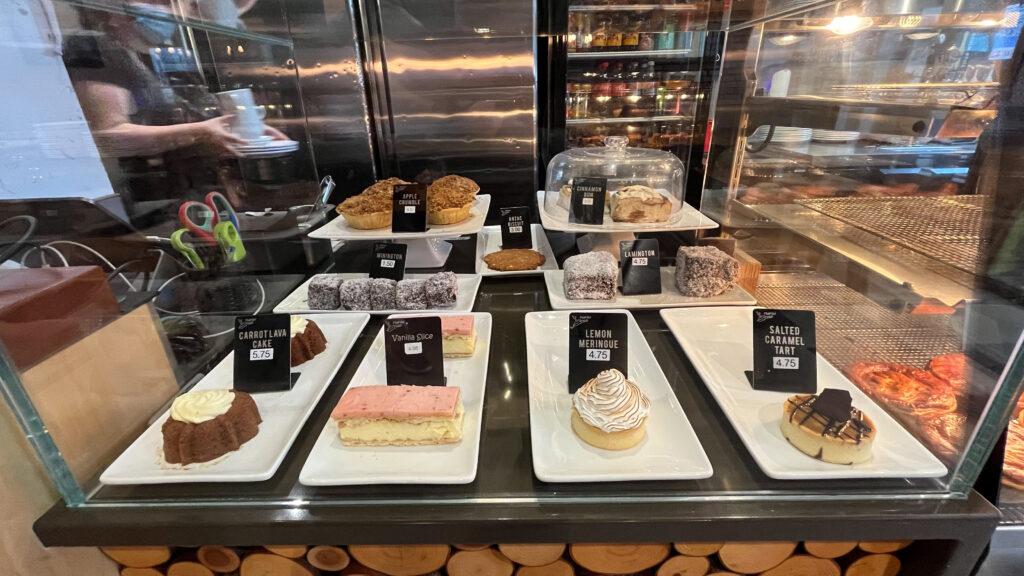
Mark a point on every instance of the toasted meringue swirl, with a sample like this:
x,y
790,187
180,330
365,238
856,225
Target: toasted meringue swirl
x,y
611,402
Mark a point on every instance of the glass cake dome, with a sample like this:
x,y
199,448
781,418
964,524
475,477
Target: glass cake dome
x,y
643,186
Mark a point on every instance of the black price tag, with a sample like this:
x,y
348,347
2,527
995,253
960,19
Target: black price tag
x,y
596,342
409,211
263,353
515,228
785,356
586,204
388,260
641,267
413,352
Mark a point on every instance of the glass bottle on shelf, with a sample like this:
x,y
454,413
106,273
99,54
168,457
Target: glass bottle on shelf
x,y
648,89
645,42
618,89
583,100
570,39
583,34
667,37
615,30
684,37
631,34
631,106
601,92
599,39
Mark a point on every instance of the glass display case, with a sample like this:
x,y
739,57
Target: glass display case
x,y
854,158
164,196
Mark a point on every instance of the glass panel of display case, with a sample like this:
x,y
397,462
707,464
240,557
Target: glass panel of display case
x,y
854,159
158,183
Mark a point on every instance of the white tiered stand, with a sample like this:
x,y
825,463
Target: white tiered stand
x,y
426,249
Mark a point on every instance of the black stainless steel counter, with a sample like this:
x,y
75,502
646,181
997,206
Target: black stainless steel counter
x,y
507,503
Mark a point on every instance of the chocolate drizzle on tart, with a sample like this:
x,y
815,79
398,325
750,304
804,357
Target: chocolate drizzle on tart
x,y
833,412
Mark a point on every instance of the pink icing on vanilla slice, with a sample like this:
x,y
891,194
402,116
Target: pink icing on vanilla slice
x,y
397,402
460,325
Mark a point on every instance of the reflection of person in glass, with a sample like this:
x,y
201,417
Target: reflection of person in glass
x,y
160,143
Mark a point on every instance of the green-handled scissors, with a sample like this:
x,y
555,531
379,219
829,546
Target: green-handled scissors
x,y
186,249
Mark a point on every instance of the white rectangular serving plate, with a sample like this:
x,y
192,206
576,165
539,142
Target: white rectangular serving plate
x,y
685,218
330,463
283,415
669,297
297,302
671,450
719,342
489,241
338,229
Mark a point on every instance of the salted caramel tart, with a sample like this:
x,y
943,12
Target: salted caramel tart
x,y
827,427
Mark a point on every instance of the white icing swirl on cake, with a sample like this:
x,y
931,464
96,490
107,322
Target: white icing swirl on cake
x,y
611,402
201,406
298,325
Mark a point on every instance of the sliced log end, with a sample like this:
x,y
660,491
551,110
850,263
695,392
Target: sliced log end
x,y
140,572
754,557
220,559
188,568
487,562
470,547
261,564
138,556
883,546
829,549
559,567
618,558
402,560
874,565
803,565
684,566
328,558
698,548
532,554
287,551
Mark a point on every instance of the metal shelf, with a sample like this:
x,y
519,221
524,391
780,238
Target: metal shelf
x,y
866,116
636,8
573,121
129,10
632,54
902,22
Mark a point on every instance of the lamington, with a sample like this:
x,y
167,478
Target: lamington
x,y
324,292
382,293
355,294
704,271
442,289
410,295
591,276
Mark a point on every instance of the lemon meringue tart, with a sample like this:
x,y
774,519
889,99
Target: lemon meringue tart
x,y
610,412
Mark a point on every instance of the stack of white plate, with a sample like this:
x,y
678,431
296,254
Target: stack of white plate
x,y
782,135
266,147
790,135
834,136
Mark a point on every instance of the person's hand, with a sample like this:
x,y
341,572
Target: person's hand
x,y
215,133
277,134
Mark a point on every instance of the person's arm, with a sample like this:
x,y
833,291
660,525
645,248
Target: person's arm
x,y
106,106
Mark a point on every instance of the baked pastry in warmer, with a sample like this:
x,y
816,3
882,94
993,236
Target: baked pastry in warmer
x,y
1013,459
449,200
207,424
307,340
951,368
591,276
945,434
639,204
610,412
704,271
828,427
514,259
904,388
